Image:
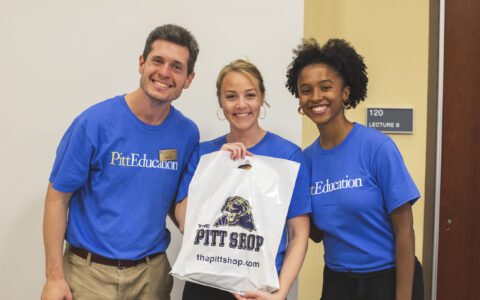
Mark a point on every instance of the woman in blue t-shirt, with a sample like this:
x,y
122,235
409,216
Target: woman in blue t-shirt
x,y
241,99
361,190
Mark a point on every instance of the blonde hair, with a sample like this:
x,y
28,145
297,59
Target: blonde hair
x,y
245,67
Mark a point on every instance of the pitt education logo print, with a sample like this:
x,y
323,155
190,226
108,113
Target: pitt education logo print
x,y
167,159
236,212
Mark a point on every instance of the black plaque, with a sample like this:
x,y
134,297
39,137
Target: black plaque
x,y
390,120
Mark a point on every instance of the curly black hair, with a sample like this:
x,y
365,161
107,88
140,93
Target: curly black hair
x,y
339,55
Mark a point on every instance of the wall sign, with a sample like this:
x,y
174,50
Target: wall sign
x,y
390,120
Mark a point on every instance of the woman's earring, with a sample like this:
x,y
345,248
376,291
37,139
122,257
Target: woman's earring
x,y
218,114
264,112
300,110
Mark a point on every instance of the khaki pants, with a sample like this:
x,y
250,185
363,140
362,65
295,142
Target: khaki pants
x,y
91,281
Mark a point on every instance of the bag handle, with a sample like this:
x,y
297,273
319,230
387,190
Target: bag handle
x,y
244,165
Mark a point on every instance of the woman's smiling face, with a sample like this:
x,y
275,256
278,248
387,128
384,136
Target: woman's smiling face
x,y
322,93
241,99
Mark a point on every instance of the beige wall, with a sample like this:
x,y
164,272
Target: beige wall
x,y
393,38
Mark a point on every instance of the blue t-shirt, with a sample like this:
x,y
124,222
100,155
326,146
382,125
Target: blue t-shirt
x,y
355,186
271,145
124,176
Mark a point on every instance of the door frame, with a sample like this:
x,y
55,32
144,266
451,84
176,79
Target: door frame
x,y
438,175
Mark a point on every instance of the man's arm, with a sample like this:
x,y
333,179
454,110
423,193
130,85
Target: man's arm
x,y
54,227
180,213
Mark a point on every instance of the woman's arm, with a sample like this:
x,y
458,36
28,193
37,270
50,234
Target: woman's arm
x,y
297,228
402,220
316,234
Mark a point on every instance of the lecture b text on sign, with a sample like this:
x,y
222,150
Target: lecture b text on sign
x,y
391,120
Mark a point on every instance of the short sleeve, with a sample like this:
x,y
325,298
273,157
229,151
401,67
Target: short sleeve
x,y
393,178
72,163
188,174
301,202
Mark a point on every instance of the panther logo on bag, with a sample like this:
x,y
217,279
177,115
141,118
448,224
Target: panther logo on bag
x,y
236,212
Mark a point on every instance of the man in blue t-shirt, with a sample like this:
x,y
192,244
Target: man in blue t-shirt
x,y
116,172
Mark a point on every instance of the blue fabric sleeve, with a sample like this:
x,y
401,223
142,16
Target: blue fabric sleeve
x,y
188,174
393,178
72,163
301,202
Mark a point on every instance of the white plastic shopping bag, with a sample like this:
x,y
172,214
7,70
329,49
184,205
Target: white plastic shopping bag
x,y
235,218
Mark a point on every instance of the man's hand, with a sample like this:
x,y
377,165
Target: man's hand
x,y
56,290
